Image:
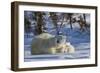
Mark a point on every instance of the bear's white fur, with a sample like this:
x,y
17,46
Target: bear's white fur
x,y
42,43
45,39
63,48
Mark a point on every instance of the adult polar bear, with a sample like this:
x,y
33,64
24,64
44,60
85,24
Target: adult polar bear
x,y
46,43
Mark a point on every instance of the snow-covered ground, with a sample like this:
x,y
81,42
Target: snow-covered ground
x,y
80,40
81,51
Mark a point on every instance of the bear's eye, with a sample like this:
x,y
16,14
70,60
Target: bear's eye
x,y
58,41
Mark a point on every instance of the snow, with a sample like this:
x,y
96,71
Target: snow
x,y
81,51
80,40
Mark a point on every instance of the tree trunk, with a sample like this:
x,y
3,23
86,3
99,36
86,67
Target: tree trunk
x,y
39,23
81,24
84,16
62,22
70,22
70,19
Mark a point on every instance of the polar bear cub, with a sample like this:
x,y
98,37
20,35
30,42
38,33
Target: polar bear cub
x,y
63,48
68,48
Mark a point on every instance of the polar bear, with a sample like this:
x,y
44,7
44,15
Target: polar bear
x,y
42,43
46,43
66,48
63,48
